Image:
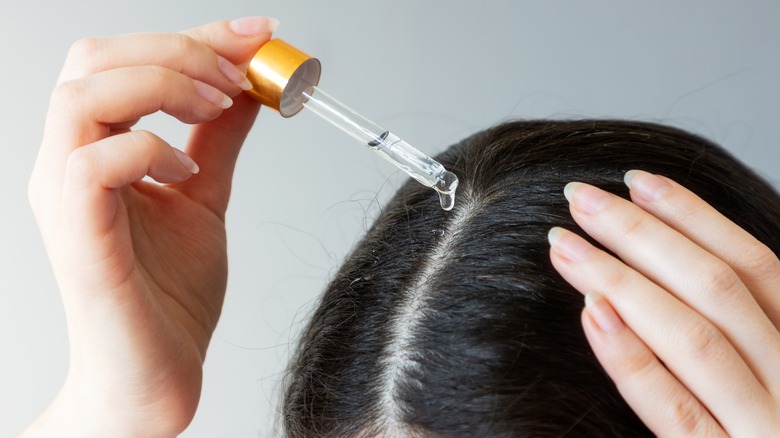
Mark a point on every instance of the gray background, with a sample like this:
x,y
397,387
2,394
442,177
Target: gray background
x,y
433,72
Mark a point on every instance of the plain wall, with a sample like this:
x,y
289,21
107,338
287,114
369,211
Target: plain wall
x,y
432,72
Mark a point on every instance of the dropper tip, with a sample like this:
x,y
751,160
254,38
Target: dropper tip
x,y
445,186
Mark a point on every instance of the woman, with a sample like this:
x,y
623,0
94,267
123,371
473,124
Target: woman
x,y
682,313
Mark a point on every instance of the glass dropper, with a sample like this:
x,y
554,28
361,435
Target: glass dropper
x,y
285,79
389,146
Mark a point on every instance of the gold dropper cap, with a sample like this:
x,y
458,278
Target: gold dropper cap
x,y
280,73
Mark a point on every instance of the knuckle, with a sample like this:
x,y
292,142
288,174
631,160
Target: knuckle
x,y
202,36
183,44
634,224
637,365
165,82
145,140
84,48
144,136
760,262
617,279
81,164
81,56
719,282
701,340
159,77
686,416
67,94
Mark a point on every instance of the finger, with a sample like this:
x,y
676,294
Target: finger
x,y
201,53
216,145
174,51
111,98
691,347
696,277
83,111
95,172
755,264
124,95
94,211
236,40
655,395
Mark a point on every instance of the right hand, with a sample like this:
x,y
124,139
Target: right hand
x,y
685,319
141,267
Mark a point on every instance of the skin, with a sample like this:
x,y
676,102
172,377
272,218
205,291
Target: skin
x,y
689,336
141,266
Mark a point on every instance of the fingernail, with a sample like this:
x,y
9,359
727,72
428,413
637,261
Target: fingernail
x,y
568,244
186,161
554,235
213,95
568,191
629,176
251,26
646,185
590,200
233,73
273,24
603,313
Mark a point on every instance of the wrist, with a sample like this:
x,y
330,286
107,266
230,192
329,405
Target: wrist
x,y
78,412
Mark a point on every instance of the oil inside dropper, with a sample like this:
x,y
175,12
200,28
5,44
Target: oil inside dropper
x,y
286,79
387,145
419,166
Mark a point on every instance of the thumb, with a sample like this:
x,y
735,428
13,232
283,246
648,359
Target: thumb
x,y
216,145
236,40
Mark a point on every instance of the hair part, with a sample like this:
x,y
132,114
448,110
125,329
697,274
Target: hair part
x,y
455,323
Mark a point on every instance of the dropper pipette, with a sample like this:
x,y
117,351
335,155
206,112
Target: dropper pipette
x,y
286,79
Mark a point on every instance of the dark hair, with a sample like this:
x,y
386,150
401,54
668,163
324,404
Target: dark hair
x,y
455,323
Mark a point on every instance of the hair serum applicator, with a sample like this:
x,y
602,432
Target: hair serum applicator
x,y
285,79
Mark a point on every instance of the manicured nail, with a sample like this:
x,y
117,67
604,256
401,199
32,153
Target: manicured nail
x,y
554,235
251,26
589,200
186,161
233,73
213,95
629,176
568,190
568,244
648,186
273,24
603,313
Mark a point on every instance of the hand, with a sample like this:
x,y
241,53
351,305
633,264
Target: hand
x,y
686,320
141,266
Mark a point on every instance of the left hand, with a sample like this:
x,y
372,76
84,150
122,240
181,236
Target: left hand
x,y
686,320
141,267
